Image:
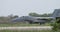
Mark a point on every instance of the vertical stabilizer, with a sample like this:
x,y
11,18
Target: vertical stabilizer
x,y
56,13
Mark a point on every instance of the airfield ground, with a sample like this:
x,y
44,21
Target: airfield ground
x,y
26,29
23,25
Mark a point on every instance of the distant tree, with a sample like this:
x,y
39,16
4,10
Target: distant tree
x,y
34,14
11,16
45,15
40,15
16,16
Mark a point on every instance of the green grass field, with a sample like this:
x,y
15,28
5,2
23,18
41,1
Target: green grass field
x,y
25,31
14,25
21,24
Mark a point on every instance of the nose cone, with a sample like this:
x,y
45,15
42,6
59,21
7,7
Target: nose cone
x,y
17,20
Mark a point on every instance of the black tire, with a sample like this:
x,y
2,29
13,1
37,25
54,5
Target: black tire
x,y
42,23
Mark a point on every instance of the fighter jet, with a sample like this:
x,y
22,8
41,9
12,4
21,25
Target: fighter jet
x,y
40,20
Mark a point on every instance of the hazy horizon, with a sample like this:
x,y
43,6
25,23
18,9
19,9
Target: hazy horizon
x,y
24,7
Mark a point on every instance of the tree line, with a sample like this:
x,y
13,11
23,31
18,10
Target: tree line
x,y
40,15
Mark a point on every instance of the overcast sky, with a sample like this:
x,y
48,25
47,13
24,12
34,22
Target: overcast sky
x,y
24,7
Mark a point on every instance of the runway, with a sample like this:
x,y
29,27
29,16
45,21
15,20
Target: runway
x,y
27,28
